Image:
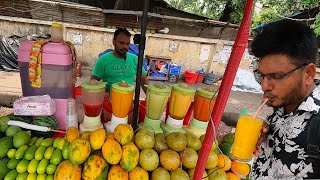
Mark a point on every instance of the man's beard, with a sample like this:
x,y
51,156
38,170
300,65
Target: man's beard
x,y
294,97
121,52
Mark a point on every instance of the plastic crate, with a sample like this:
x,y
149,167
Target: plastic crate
x,y
175,70
155,74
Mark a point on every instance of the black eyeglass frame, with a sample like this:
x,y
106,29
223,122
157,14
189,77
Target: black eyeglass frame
x,y
274,76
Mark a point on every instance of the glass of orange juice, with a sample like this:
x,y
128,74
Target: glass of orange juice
x,y
246,137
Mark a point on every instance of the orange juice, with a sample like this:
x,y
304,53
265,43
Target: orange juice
x,y
203,105
246,137
180,100
121,99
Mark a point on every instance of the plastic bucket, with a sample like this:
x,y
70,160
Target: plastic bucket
x,y
106,110
142,110
190,77
77,91
200,78
209,79
187,118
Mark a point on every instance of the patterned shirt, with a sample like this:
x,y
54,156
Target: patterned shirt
x,y
283,153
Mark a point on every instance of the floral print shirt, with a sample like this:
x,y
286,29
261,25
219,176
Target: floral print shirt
x,y
283,153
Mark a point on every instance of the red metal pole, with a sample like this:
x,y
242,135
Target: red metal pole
x,y
224,91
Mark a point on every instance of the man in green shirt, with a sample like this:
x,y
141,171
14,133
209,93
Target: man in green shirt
x,y
118,65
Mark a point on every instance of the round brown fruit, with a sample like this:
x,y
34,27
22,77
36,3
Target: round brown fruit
x,y
179,174
160,174
212,160
189,158
176,141
149,159
217,174
160,142
204,176
144,139
193,142
170,160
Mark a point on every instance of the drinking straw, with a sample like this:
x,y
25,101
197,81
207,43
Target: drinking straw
x,y
260,107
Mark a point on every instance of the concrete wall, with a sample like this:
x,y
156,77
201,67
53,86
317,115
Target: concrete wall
x,y
187,51
90,41
93,40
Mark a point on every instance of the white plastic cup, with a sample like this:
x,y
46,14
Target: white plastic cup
x,y
72,117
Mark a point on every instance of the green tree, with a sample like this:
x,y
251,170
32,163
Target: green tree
x,y
316,25
278,9
232,10
223,10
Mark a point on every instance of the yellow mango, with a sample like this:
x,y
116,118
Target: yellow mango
x,y
97,138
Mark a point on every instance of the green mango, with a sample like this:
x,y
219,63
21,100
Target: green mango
x,y
13,130
228,138
226,149
3,123
4,170
21,138
5,146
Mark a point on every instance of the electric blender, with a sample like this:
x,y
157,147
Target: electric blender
x,y
204,101
156,101
121,100
92,98
179,103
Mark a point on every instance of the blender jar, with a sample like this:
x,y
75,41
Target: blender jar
x,y
157,98
204,103
180,100
92,97
121,98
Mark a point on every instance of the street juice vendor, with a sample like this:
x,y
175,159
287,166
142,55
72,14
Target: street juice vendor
x,y
118,65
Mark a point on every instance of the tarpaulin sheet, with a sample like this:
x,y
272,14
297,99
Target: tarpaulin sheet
x,y
9,52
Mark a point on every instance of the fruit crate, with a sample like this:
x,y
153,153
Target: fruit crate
x,y
152,74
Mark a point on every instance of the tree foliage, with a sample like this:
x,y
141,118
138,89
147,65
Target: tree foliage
x,y
232,10
228,10
278,9
316,25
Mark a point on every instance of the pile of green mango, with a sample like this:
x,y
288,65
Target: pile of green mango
x,y
25,157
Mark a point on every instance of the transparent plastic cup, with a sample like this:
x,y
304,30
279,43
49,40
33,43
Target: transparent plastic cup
x,y
246,137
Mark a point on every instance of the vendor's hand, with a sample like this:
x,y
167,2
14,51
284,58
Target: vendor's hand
x,y
263,137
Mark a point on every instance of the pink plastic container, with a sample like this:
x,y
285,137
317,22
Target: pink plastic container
x,y
57,75
57,66
61,113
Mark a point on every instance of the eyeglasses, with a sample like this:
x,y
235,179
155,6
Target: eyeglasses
x,y
273,76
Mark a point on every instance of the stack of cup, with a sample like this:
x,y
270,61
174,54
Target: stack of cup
x,y
72,118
